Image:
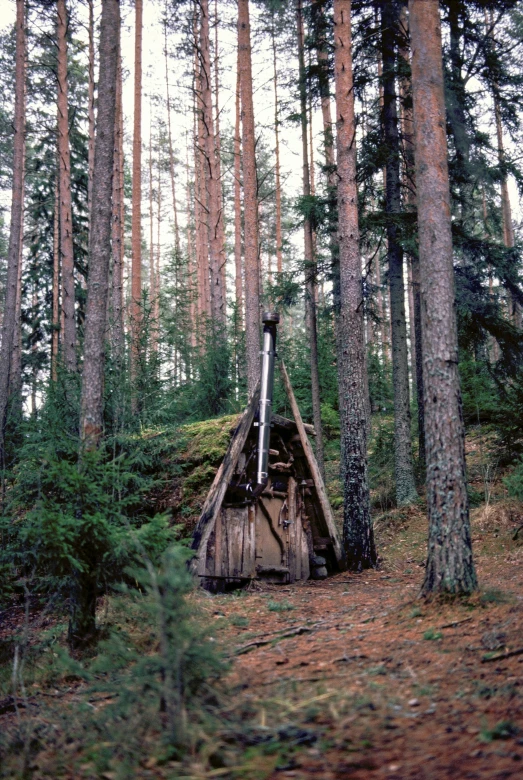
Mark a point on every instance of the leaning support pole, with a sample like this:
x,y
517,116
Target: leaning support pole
x,y
313,465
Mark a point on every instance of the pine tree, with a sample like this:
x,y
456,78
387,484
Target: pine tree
x,y
250,201
403,465
66,214
91,423
136,238
450,566
309,254
358,538
15,231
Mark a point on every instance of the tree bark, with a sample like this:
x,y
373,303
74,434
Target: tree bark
x,y
410,205
118,223
218,146
403,464
506,211
215,215
202,203
277,173
55,338
90,107
238,206
15,230
136,222
66,219
171,153
310,260
358,537
91,420
250,201
450,566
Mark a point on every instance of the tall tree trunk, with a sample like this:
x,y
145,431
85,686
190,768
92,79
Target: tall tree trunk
x,y
203,211
358,537
118,224
171,153
450,567
238,206
250,201
90,107
320,22
403,465
15,230
455,103
506,211
277,172
82,622
310,260
136,223
410,205
215,215
15,376
151,216
66,219
55,338
191,258
218,145
91,419
157,260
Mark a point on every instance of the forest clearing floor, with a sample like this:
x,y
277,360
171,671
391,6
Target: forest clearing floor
x,y
350,677
355,676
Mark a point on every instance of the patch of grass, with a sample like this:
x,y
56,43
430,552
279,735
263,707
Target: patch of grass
x,y
505,729
432,635
374,671
495,596
279,606
416,612
239,621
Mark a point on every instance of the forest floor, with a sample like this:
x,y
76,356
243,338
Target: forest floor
x,y
371,682
351,677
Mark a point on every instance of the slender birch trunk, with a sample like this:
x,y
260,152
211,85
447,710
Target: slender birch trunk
x,y
358,537
450,566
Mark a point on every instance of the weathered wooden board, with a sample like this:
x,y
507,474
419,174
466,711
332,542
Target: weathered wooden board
x,y
311,460
219,486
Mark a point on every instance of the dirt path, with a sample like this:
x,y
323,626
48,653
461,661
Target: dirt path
x,y
354,677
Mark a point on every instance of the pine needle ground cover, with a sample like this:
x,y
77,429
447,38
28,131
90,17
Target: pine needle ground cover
x,y
354,676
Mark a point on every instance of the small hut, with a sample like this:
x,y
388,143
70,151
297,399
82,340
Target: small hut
x,y
280,531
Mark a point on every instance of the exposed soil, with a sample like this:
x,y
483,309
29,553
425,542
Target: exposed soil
x,y
379,683
355,677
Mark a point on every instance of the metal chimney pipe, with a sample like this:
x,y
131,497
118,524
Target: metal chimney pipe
x,y
270,321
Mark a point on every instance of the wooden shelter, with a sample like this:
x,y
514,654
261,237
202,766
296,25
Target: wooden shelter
x,y
286,533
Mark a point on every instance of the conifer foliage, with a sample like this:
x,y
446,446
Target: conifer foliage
x,y
351,165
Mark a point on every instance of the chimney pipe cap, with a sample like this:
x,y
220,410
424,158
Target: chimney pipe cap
x,y
270,318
